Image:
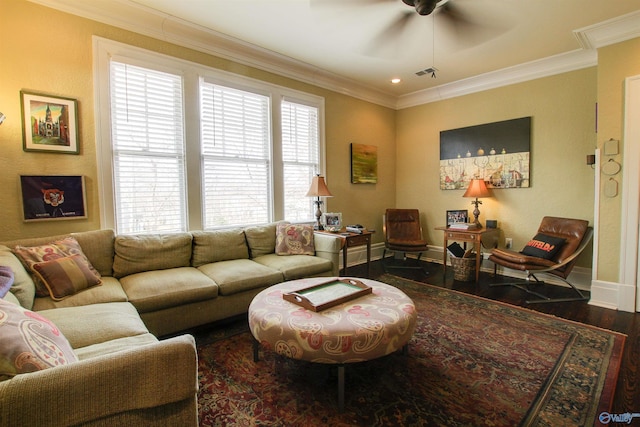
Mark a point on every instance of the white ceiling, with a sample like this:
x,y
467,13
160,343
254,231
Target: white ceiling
x,y
346,39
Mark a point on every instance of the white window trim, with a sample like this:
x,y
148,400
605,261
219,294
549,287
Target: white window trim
x,y
105,50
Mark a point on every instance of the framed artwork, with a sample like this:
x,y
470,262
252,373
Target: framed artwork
x,y
497,152
457,216
332,221
53,197
49,123
364,164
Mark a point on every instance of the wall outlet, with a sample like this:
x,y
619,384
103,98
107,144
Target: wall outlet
x,y
508,242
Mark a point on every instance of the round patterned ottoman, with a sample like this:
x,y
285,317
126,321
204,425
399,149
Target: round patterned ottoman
x,y
361,329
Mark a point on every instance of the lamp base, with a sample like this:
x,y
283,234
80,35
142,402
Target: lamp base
x,y
318,226
476,213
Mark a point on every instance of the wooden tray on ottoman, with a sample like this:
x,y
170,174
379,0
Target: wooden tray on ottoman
x,y
327,294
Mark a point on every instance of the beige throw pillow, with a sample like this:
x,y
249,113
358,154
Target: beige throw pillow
x,y
294,239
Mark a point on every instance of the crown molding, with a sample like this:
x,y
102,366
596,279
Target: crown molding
x,y
149,22
146,21
545,67
609,32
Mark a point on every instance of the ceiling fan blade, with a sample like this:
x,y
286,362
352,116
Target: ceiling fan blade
x,y
346,3
466,28
387,42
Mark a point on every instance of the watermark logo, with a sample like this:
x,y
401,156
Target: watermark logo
x,y
626,418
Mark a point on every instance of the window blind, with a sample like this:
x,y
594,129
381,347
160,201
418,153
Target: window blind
x,y
148,150
300,155
236,167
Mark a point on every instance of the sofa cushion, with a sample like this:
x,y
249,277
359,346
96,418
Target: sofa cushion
x,y
156,290
218,245
110,291
294,239
261,239
23,287
96,323
240,275
297,266
30,255
65,276
98,246
135,254
29,342
6,279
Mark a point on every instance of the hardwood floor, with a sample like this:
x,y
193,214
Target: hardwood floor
x,y
627,395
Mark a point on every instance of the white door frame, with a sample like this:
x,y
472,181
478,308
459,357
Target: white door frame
x,y
629,233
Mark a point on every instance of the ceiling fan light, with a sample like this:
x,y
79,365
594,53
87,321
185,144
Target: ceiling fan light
x,y
425,7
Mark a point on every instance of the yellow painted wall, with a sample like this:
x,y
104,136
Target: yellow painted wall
x,y
46,51
615,64
562,108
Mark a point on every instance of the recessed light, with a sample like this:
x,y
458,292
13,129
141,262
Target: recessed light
x,y
396,81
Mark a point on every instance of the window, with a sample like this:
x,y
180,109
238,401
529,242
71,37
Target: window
x,y
300,157
184,147
148,150
235,156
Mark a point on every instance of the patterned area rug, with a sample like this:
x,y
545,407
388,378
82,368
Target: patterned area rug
x,y
471,362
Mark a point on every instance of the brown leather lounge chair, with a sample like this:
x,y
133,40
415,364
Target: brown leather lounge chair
x,y
403,233
553,251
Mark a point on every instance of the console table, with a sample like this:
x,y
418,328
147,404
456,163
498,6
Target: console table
x,y
487,237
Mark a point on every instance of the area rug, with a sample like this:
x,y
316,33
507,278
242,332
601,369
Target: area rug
x,y
471,362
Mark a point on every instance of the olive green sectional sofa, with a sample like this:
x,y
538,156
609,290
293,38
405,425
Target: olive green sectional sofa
x,y
151,286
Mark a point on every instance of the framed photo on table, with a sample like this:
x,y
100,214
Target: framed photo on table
x,y
49,123
457,216
333,221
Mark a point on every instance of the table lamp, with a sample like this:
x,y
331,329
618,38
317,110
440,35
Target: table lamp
x,y
477,188
318,189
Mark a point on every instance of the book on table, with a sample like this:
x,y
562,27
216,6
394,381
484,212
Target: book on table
x,y
463,226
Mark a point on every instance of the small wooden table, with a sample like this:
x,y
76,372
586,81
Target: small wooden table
x,y
487,237
350,240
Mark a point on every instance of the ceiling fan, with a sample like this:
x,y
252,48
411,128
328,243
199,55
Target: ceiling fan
x,y
423,7
458,21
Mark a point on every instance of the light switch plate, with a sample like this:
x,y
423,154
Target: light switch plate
x,y
611,147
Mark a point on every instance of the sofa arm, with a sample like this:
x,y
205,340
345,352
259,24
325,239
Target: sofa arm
x,y
328,246
145,383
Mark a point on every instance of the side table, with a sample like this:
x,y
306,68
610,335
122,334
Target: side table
x,y
487,237
350,240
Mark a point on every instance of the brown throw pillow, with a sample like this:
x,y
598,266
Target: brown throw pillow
x,y
29,342
30,255
65,276
294,239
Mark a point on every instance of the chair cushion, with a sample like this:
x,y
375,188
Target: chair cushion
x,y
543,246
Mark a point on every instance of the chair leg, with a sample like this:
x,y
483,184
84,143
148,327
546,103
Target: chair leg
x,y
541,297
386,266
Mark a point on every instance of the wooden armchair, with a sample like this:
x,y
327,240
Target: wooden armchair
x,y
403,233
553,250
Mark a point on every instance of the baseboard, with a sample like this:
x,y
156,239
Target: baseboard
x,y
580,276
613,295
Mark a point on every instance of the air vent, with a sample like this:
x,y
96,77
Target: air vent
x,y
430,70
